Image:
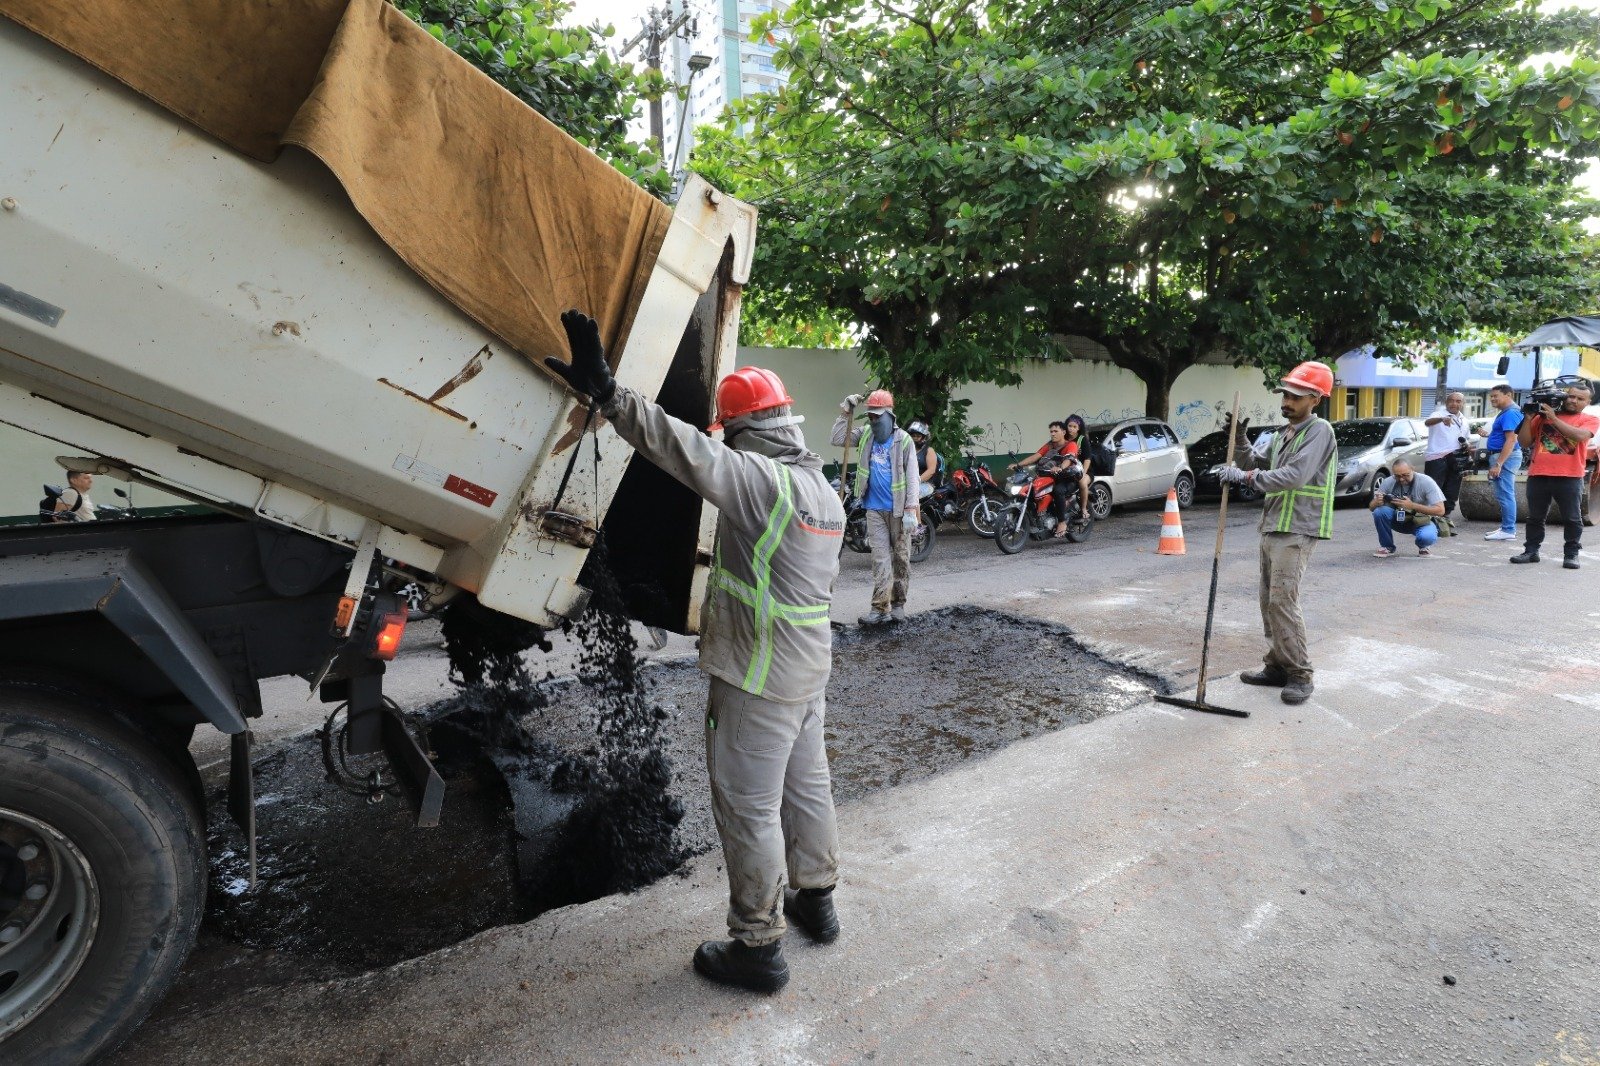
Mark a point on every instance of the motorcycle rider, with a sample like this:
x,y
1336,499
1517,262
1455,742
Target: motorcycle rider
x,y
927,460
74,505
1077,434
1296,513
886,470
764,639
1057,458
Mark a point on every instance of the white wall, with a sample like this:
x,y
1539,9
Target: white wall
x,y
1017,418
28,461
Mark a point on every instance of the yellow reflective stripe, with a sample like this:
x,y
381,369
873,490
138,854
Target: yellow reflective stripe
x,y
758,597
1325,493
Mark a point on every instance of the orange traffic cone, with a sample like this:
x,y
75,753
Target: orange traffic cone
x,y
1171,528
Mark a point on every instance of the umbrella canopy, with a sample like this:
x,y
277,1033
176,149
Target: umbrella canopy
x,y
1566,332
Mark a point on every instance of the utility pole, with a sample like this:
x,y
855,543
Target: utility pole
x,y
660,26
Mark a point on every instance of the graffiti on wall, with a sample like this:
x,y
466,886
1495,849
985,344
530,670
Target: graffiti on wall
x,y
1196,418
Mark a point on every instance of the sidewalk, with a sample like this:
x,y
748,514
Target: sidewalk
x,y
1157,886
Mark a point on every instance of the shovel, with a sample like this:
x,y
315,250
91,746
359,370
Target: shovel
x,y
1199,702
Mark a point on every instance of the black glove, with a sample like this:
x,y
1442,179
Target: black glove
x,y
587,372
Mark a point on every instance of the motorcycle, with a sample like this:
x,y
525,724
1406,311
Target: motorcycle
x,y
855,528
975,496
1027,516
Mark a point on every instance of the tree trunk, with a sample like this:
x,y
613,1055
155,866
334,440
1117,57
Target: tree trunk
x,y
1440,388
1157,395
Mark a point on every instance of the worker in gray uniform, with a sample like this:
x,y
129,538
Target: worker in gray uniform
x,y
1297,511
886,484
766,641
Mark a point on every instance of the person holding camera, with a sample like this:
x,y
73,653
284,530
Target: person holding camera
x,y
1449,454
1407,502
1558,440
1505,459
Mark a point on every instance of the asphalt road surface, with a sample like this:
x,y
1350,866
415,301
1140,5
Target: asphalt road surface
x,y
1400,871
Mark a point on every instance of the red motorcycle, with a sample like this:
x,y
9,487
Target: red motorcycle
x,y
976,496
1028,516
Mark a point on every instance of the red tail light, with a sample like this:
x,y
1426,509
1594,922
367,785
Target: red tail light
x,y
389,634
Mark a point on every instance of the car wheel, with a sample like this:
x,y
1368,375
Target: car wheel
x,y
1100,501
1185,489
102,877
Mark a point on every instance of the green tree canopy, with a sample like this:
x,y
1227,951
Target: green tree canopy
x,y
1269,180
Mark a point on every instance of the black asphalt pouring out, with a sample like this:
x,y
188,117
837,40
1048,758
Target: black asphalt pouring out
x,y
564,790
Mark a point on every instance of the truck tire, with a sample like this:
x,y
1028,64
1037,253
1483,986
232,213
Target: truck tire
x,y
102,878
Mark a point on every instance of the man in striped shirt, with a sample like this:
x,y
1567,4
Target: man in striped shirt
x,y
1297,512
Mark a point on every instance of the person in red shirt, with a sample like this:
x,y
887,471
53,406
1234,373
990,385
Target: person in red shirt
x,y
1558,442
1058,458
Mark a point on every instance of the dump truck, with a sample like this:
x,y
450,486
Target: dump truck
x,y
300,267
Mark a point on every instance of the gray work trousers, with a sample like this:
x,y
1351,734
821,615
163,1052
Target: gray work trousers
x,y
1283,563
891,559
773,802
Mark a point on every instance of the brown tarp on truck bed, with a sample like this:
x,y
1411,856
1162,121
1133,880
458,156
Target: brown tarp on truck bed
x,y
499,210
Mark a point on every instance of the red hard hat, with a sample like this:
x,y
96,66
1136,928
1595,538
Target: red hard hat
x,y
881,398
1318,377
748,389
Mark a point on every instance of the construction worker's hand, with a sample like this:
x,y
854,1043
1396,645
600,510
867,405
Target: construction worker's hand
x,y
851,402
587,372
1232,475
909,521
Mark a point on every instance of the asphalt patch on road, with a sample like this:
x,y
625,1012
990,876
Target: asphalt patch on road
x,y
570,789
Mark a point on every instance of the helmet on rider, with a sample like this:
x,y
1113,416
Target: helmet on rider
x,y
1308,379
918,428
746,391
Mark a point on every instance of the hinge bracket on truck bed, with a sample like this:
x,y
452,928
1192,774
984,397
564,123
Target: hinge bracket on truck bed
x,y
574,529
355,586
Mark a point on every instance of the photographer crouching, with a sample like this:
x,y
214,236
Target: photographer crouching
x,y
1406,502
1557,436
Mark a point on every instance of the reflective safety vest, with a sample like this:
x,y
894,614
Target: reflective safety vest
x,y
900,443
757,594
1321,494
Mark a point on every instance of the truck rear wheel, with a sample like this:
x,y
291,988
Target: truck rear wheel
x,y
102,877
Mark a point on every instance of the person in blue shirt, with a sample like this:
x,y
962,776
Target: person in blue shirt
x,y
1505,459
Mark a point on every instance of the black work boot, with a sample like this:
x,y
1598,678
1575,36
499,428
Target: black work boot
x,y
1296,691
1570,562
733,962
1267,675
1526,557
811,910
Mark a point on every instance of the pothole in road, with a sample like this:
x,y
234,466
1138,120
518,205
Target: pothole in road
x,y
347,886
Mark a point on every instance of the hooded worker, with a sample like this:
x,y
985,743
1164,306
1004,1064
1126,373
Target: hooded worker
x,y
886,484
765,640
1298,483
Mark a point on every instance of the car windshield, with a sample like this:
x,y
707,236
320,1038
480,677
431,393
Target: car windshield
x,y
1360,434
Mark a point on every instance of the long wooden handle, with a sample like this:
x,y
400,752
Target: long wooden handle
x,y
1216,561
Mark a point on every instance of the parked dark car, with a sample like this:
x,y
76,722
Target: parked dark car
x,y
1211,451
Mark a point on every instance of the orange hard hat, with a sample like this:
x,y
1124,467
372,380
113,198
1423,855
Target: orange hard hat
x,y
1307,378
881,398
746,390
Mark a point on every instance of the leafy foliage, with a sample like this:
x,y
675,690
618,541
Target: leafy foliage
x,y
564,73
1264,180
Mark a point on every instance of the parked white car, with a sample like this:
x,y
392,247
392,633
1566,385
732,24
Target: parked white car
x,y
1369,447
1149,460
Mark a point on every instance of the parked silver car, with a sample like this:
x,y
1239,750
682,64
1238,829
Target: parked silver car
x,y
1150,459
1369,447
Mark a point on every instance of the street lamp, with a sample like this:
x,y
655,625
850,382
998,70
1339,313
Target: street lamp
x,y
697,62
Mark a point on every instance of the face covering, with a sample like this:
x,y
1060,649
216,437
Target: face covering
x,y
882,427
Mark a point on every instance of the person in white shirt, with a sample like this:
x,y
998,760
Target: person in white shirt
x,y
74,505
1447,429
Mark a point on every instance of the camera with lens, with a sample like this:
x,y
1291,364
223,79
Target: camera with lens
x,y
1552,391
1465,457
